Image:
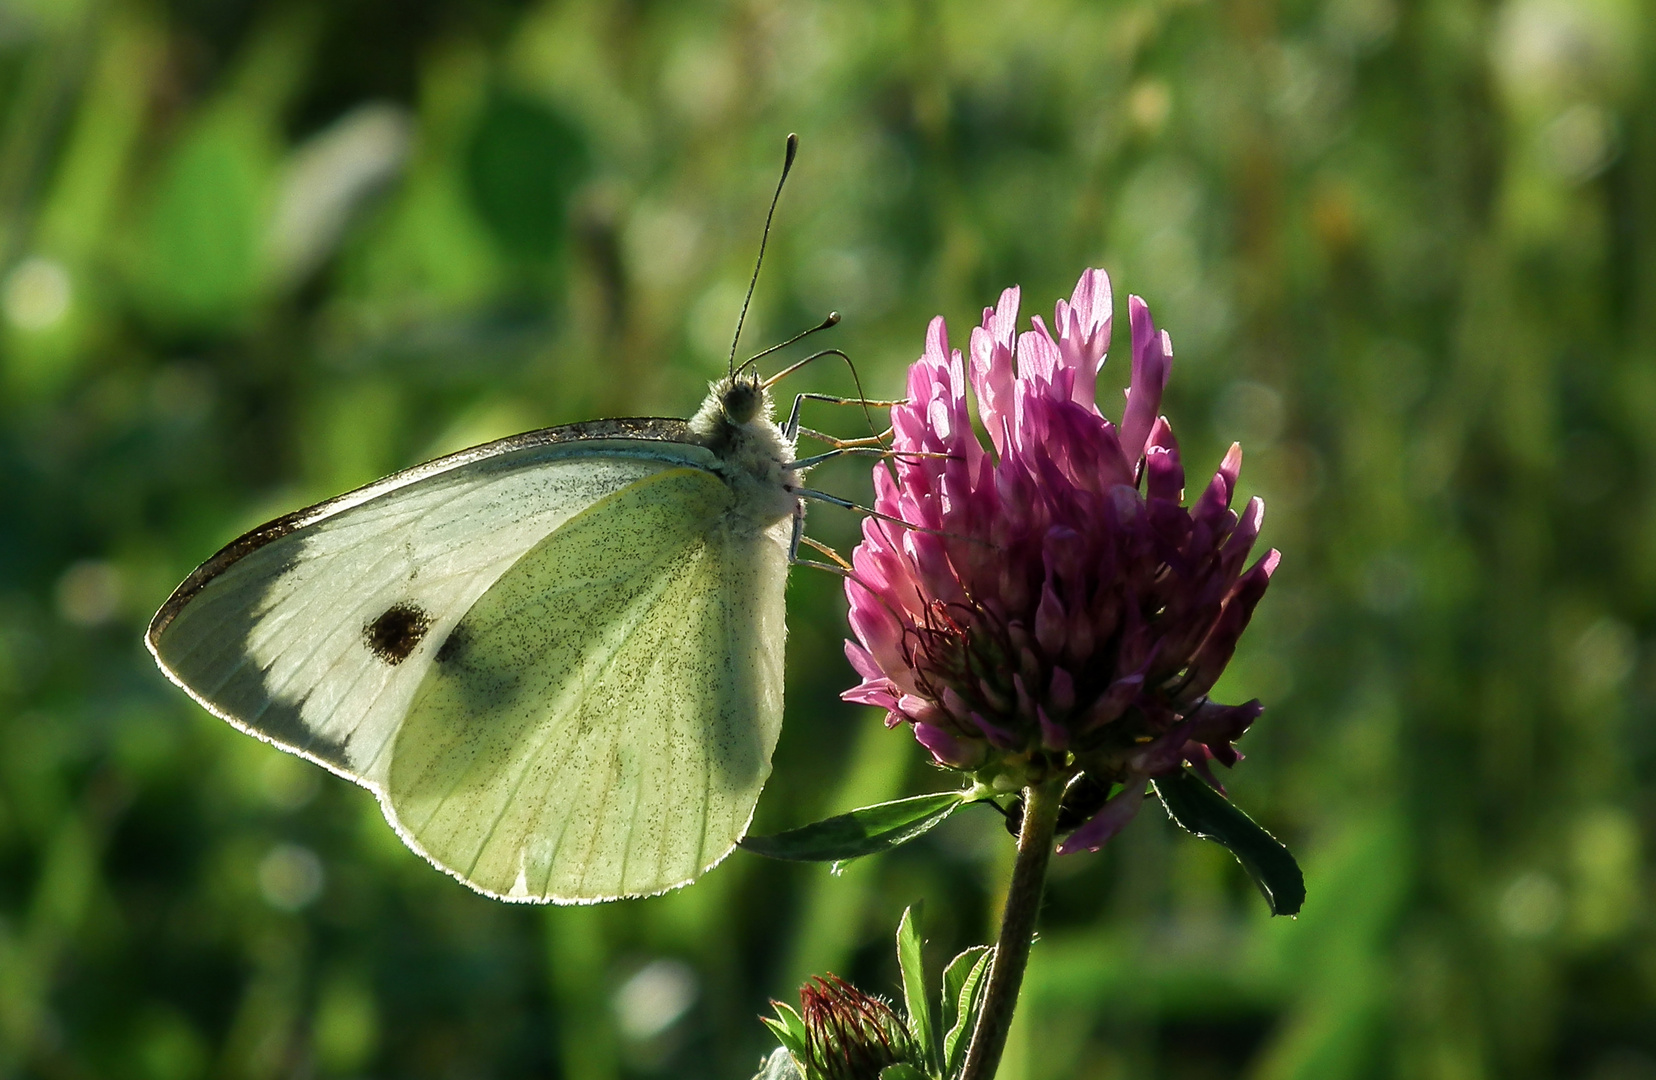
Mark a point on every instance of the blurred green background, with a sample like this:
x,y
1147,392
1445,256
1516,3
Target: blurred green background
x,y
254,253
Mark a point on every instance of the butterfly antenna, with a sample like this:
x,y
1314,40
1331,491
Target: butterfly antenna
x,y
831,321
787,164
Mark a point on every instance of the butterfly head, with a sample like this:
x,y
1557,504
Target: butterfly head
x,y
735,423
733,404
742,397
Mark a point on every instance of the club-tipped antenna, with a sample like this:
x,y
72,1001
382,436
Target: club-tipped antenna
x,y
832,320
787,164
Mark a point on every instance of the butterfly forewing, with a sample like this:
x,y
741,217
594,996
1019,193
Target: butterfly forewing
x,y
601,721
314,631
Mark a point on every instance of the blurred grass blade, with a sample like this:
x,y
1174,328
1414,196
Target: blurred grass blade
x,y
835,904
1205,812
861,832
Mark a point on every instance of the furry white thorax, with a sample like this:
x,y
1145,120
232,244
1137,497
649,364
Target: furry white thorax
x,y
735,423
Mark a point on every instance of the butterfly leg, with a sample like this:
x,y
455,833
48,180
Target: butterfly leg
x,y
835,399
835,500
791,429
839,567
866,440
842,568
842,451
861,451
798,531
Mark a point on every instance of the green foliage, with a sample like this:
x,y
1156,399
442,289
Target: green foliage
x,y
1205,812
524,165
916,1002
867,830
1406,252
963,982
789,1030
939,1045
201,259
901,1072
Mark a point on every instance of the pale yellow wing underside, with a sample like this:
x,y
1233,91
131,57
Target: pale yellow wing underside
x,y
600,722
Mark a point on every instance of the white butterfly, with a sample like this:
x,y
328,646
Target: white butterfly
x,y
556,658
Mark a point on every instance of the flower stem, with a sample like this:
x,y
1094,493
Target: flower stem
x,y
1023,901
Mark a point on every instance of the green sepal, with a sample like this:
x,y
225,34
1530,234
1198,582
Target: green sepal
x,y
912,965
901,1071
789,1028
865,831
1205,812
962,994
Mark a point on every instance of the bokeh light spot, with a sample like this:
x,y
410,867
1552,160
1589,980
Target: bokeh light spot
x,y
1580,142
36,294
1250,413
1149,103
655,999
89,593
290,877
288,782
1531,906
1604,654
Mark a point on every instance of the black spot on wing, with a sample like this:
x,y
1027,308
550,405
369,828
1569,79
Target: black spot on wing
x,y
395,634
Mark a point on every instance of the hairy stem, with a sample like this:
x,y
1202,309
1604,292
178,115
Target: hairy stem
x,y
1023,901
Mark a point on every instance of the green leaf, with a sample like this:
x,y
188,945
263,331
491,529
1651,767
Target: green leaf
x,y
962,986
954,976
901,1072
199,265
1205,812
525,162
914,985
861,832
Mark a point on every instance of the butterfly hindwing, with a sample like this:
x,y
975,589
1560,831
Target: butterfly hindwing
x,y
601,721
